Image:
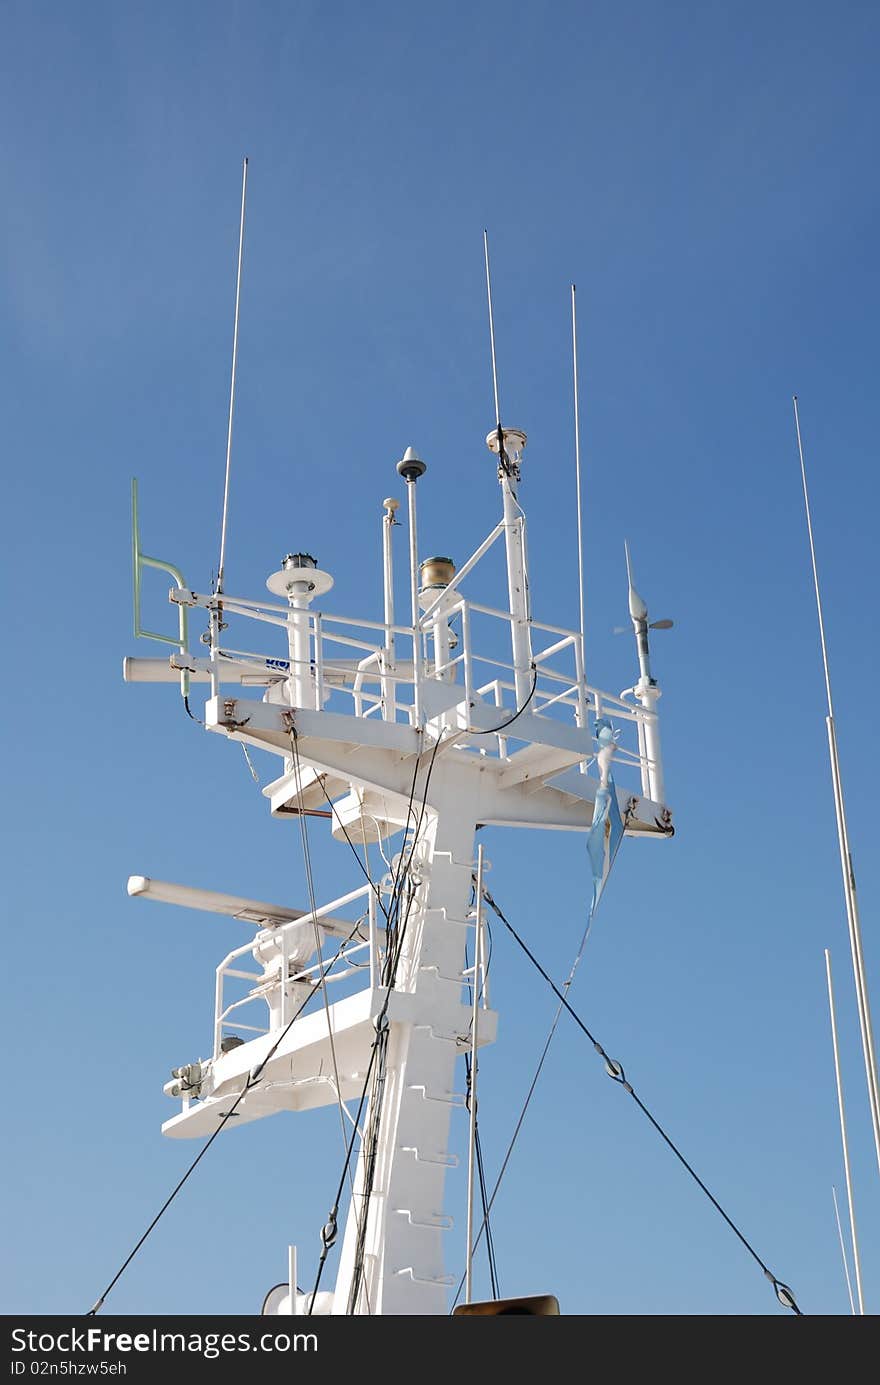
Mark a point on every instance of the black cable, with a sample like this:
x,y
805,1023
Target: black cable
x,y
493,730
541,1061
329,1231
252,1080
490,1238
615,1071
506,1160
190,713
98,1304
481,1176
546,1049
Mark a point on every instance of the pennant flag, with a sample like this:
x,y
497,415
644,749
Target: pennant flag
x,y
606,832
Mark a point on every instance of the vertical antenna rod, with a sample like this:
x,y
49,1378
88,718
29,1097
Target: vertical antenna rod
x,y
222,564
843,1251
492,335
846,864
577,462
411,467
472,1136
514,524
846,1169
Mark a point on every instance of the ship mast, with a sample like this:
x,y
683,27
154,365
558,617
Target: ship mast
x,y
403,733
449,750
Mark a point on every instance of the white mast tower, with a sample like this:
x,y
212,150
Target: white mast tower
x,y
423,745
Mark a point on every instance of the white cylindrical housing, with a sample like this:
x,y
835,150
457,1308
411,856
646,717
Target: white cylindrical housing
x,y
300,580
648,693
435,575
414,600
517,588
389,700
301,683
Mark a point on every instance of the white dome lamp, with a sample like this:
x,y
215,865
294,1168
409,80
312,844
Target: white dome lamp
x,y
300,580
299,576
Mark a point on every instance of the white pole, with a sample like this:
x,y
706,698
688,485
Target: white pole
x,y
647,692
475,1016
389,701
222,563
849,1291
846,1169
414,600
491,330
514,522
855,935
577,468
300,650
846,864
291,1277
517,589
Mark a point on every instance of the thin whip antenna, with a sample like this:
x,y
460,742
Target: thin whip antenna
x,y
857,1263
492,332
846,863
221,566
577,460
843,1250
797,424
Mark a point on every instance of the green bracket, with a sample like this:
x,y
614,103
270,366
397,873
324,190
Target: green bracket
x,y
139,561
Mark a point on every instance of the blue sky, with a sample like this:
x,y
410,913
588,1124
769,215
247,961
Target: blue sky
x,y
703,173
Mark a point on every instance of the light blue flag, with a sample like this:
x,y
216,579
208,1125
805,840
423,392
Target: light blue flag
x,y
606,832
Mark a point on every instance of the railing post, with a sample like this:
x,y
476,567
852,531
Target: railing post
x,y
218,1010
319,661
466,657
387,662
581,676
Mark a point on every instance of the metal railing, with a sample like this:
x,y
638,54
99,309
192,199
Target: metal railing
x,y
273,987
278,980
357,662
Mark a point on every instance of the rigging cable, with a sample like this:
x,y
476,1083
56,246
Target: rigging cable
x,y
529,1094
485,1201
486,1225
615,1071
252,1081
538,1070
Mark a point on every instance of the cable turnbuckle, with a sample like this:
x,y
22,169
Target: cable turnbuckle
x,y
329,1232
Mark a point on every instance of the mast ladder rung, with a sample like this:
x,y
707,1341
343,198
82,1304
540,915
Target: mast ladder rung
x,y
436,1221
448,1161
455,980
449,1098
467,922
447,1280
457,1039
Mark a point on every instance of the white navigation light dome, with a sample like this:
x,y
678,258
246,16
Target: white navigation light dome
x,y
299,576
